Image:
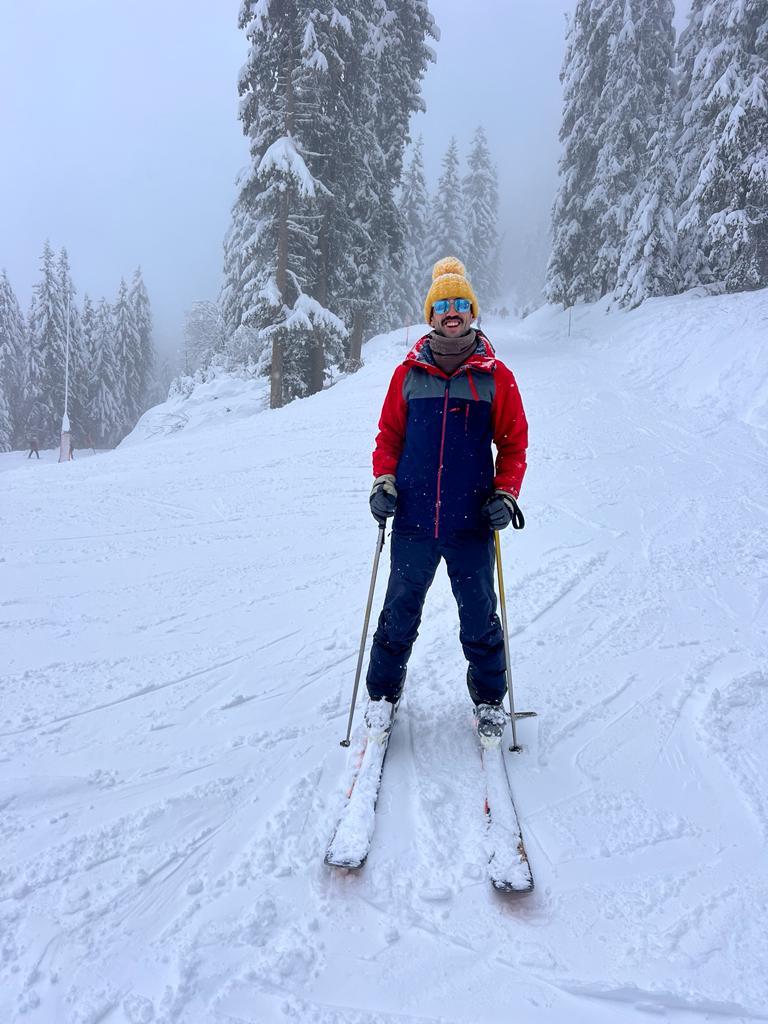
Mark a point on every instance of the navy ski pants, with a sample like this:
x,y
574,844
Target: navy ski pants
x,y
470,565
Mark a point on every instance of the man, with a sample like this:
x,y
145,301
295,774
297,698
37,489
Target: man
x,y
434,471
34,448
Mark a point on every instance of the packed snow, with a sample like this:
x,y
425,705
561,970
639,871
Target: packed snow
x,y
181,619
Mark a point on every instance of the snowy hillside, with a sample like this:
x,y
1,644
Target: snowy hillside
x,y
180,627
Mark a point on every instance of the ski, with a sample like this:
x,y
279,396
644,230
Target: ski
x,y
508,867
351,840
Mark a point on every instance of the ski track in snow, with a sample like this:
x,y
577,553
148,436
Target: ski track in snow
x,y
179,626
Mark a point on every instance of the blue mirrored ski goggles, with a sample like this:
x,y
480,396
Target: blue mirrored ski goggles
x,y
460,306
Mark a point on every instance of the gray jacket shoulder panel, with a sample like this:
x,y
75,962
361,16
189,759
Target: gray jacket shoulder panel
x,y
484,385
422,384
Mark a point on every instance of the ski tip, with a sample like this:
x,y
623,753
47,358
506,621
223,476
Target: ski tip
x,y
344,858
512,891
346,865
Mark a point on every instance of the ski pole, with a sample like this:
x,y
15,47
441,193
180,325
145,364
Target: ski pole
x,y
379,546
514,715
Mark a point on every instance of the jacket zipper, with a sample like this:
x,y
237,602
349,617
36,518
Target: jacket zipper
x,y
442,450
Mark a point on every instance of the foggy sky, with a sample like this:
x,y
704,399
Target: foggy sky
x,y
120,136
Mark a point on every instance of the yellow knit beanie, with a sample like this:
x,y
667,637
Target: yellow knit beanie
x,y
449,282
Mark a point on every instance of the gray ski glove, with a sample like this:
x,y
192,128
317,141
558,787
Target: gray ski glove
x,y
383,498
501,509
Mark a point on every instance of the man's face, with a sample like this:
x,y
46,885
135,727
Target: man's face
x,y
451,324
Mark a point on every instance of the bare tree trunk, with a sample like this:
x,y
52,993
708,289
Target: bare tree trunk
x,y
355,360
276,376
316,367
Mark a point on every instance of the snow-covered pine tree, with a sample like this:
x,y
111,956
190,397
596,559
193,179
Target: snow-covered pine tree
x,y
575,232
702,60
161,381
410,278
12,351
527,269
332,51
617,66
638,72
127,353
446,214
742,224
398,33
44,363
325,114
236,250
481,215
726,209
243,350
6,416
241,281
350,123
78,370
398,40
279,190
621,141
205,334
649,261
242,344
89,379
106,413
324,90
369,225
306,321
142,315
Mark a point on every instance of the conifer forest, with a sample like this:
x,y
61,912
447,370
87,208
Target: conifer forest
x,y
663,187
109,379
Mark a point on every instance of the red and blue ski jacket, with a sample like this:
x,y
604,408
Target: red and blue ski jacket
x,y
435,435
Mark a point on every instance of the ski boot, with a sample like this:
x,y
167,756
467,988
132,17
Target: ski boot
x,y
379,715
490,720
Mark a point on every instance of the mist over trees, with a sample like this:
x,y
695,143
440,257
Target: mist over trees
x,y
205,335
111,360
664,166
334,230
410,275
663,186
350,267
325,106
446,213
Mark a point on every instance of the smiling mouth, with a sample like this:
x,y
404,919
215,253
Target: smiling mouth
x,y
452,321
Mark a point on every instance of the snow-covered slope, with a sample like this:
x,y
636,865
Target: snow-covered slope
x,y
180,627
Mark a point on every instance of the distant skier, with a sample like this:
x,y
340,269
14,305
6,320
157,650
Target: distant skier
x,y
434,471
34,448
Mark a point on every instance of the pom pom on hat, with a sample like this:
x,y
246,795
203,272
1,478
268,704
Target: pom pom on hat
x,y
448,265
449,281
